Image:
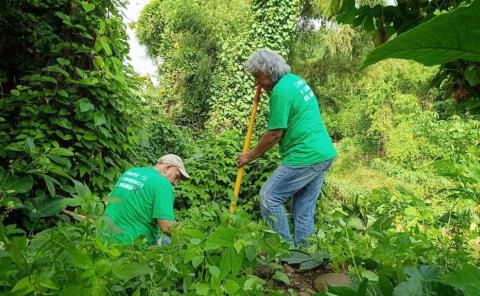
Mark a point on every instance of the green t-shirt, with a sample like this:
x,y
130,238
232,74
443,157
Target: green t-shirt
x,y
294,108
140,196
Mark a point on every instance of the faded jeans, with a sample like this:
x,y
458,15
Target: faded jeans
x,y
301,183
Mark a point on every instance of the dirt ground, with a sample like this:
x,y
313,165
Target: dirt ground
x,y
300,281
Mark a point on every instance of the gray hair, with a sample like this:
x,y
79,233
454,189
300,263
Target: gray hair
x,y
268,62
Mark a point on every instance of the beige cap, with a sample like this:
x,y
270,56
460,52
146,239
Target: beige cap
x,y
176,161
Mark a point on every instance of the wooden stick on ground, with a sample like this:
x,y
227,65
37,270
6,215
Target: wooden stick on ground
x,y
76,216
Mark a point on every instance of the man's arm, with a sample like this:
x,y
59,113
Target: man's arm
x,y
269,138
165,226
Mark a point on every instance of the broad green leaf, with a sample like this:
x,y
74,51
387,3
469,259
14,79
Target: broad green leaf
x,y
98,62
231,287
12,202
221,237
63,93
49,182
48,79
19,184
63,161
329,8
99,118
194,233
72,202
195,241
466,279
341,291
236,260
413,286
197,260
449,36
63,62
51,208
81,73
81,189
362,289
89,136
385,285
214,271
356,223
23,287
88,81
105,46
370,275
79,259
47,282
53,168
250,253
17,146
472,75
231,262
202,289
411,211
225,266
132,270
57,69
281,276
61,151
297,257
253,283
428,273
307,265
88,6
85,105
29,145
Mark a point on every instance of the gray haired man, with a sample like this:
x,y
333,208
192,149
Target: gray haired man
x,y
305,146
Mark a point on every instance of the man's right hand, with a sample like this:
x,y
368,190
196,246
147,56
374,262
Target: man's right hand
x,y
243,159
164,225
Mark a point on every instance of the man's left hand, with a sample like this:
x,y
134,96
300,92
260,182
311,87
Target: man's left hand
x,y
243,159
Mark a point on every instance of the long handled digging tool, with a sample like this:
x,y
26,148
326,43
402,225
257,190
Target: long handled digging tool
x,y
246,145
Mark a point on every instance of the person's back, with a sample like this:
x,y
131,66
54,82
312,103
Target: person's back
x,y
140,196
295,108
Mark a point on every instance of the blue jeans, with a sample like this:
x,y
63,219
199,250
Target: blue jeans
x,y
303,184
163,240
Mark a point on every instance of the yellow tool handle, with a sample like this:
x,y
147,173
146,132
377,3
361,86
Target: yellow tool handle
x,y
246,146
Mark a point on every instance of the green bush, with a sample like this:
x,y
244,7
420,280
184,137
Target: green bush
x,y
212,252
70,109
213,169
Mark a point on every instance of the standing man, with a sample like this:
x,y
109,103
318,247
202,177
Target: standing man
x,y
143,201
305,147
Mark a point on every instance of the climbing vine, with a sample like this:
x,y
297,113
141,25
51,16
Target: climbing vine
x,y
273,26
186,38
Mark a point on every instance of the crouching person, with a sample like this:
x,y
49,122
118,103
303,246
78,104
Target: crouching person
x,y
142,202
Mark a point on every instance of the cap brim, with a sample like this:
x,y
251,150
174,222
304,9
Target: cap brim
x,y
184,173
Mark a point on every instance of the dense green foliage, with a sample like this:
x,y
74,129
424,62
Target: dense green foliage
x,y
385,21
186,37
68,107
212,253
400,210
424,43
395,188
202,76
